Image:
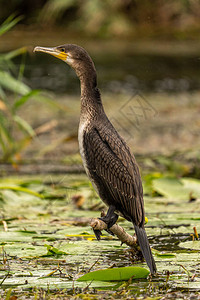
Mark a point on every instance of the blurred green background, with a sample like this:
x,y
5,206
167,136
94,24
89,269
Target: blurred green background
x,y
147,56
108,18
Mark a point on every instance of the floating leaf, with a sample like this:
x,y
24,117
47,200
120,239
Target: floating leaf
x,y
192,185
147,182
53,251
163,254
115,274
190,245
170,187
183,189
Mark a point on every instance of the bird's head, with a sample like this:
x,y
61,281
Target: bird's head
x,y
73,55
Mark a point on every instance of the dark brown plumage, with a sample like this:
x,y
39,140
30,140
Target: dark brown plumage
x,y
107,159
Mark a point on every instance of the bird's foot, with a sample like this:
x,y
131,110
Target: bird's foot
x,y
98,234
110,219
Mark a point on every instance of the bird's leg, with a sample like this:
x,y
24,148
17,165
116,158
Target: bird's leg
x,y
111,217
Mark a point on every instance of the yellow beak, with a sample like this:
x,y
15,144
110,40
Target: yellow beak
x,y
53,51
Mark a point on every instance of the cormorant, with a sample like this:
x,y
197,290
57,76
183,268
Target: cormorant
x,y
107,159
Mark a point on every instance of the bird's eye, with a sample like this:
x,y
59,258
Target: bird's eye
x,y
62,50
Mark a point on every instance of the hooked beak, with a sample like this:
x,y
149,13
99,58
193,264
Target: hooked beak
x,y
53,51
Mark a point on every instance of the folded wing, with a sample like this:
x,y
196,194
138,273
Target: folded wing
x,y
113,168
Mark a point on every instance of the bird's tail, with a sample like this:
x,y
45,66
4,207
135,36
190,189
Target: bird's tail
x,y
145,248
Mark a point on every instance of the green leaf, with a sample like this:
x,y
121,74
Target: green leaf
x,y
147,182
5,138
115,274
20,189
52,251
170,187
53,9
24,125
192,185
9,82
24,99
10,22
12,54
190,245
2,94
183,189
163,254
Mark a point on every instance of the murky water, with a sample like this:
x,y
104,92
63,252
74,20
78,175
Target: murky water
x,y
118,73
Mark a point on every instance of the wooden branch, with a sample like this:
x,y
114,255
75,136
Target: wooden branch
x,y
122,235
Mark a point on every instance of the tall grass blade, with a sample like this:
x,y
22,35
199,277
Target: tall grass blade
x,y
10,22
24,99
24,126
14,53
9,82
20,189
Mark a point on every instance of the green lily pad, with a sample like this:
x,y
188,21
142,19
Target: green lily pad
x,y
183,189
191,245
115,274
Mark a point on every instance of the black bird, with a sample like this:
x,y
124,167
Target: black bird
x,y
107,159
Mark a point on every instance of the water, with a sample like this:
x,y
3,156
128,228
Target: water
x,y
118,73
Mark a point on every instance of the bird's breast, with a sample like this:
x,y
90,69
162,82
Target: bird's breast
x,y
81,131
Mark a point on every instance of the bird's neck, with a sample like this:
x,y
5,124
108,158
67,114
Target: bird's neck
x,y
91,104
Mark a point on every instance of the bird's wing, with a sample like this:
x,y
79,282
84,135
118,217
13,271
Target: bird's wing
x,y
109,158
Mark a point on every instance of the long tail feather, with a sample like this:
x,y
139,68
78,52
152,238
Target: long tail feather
x,y
145,248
